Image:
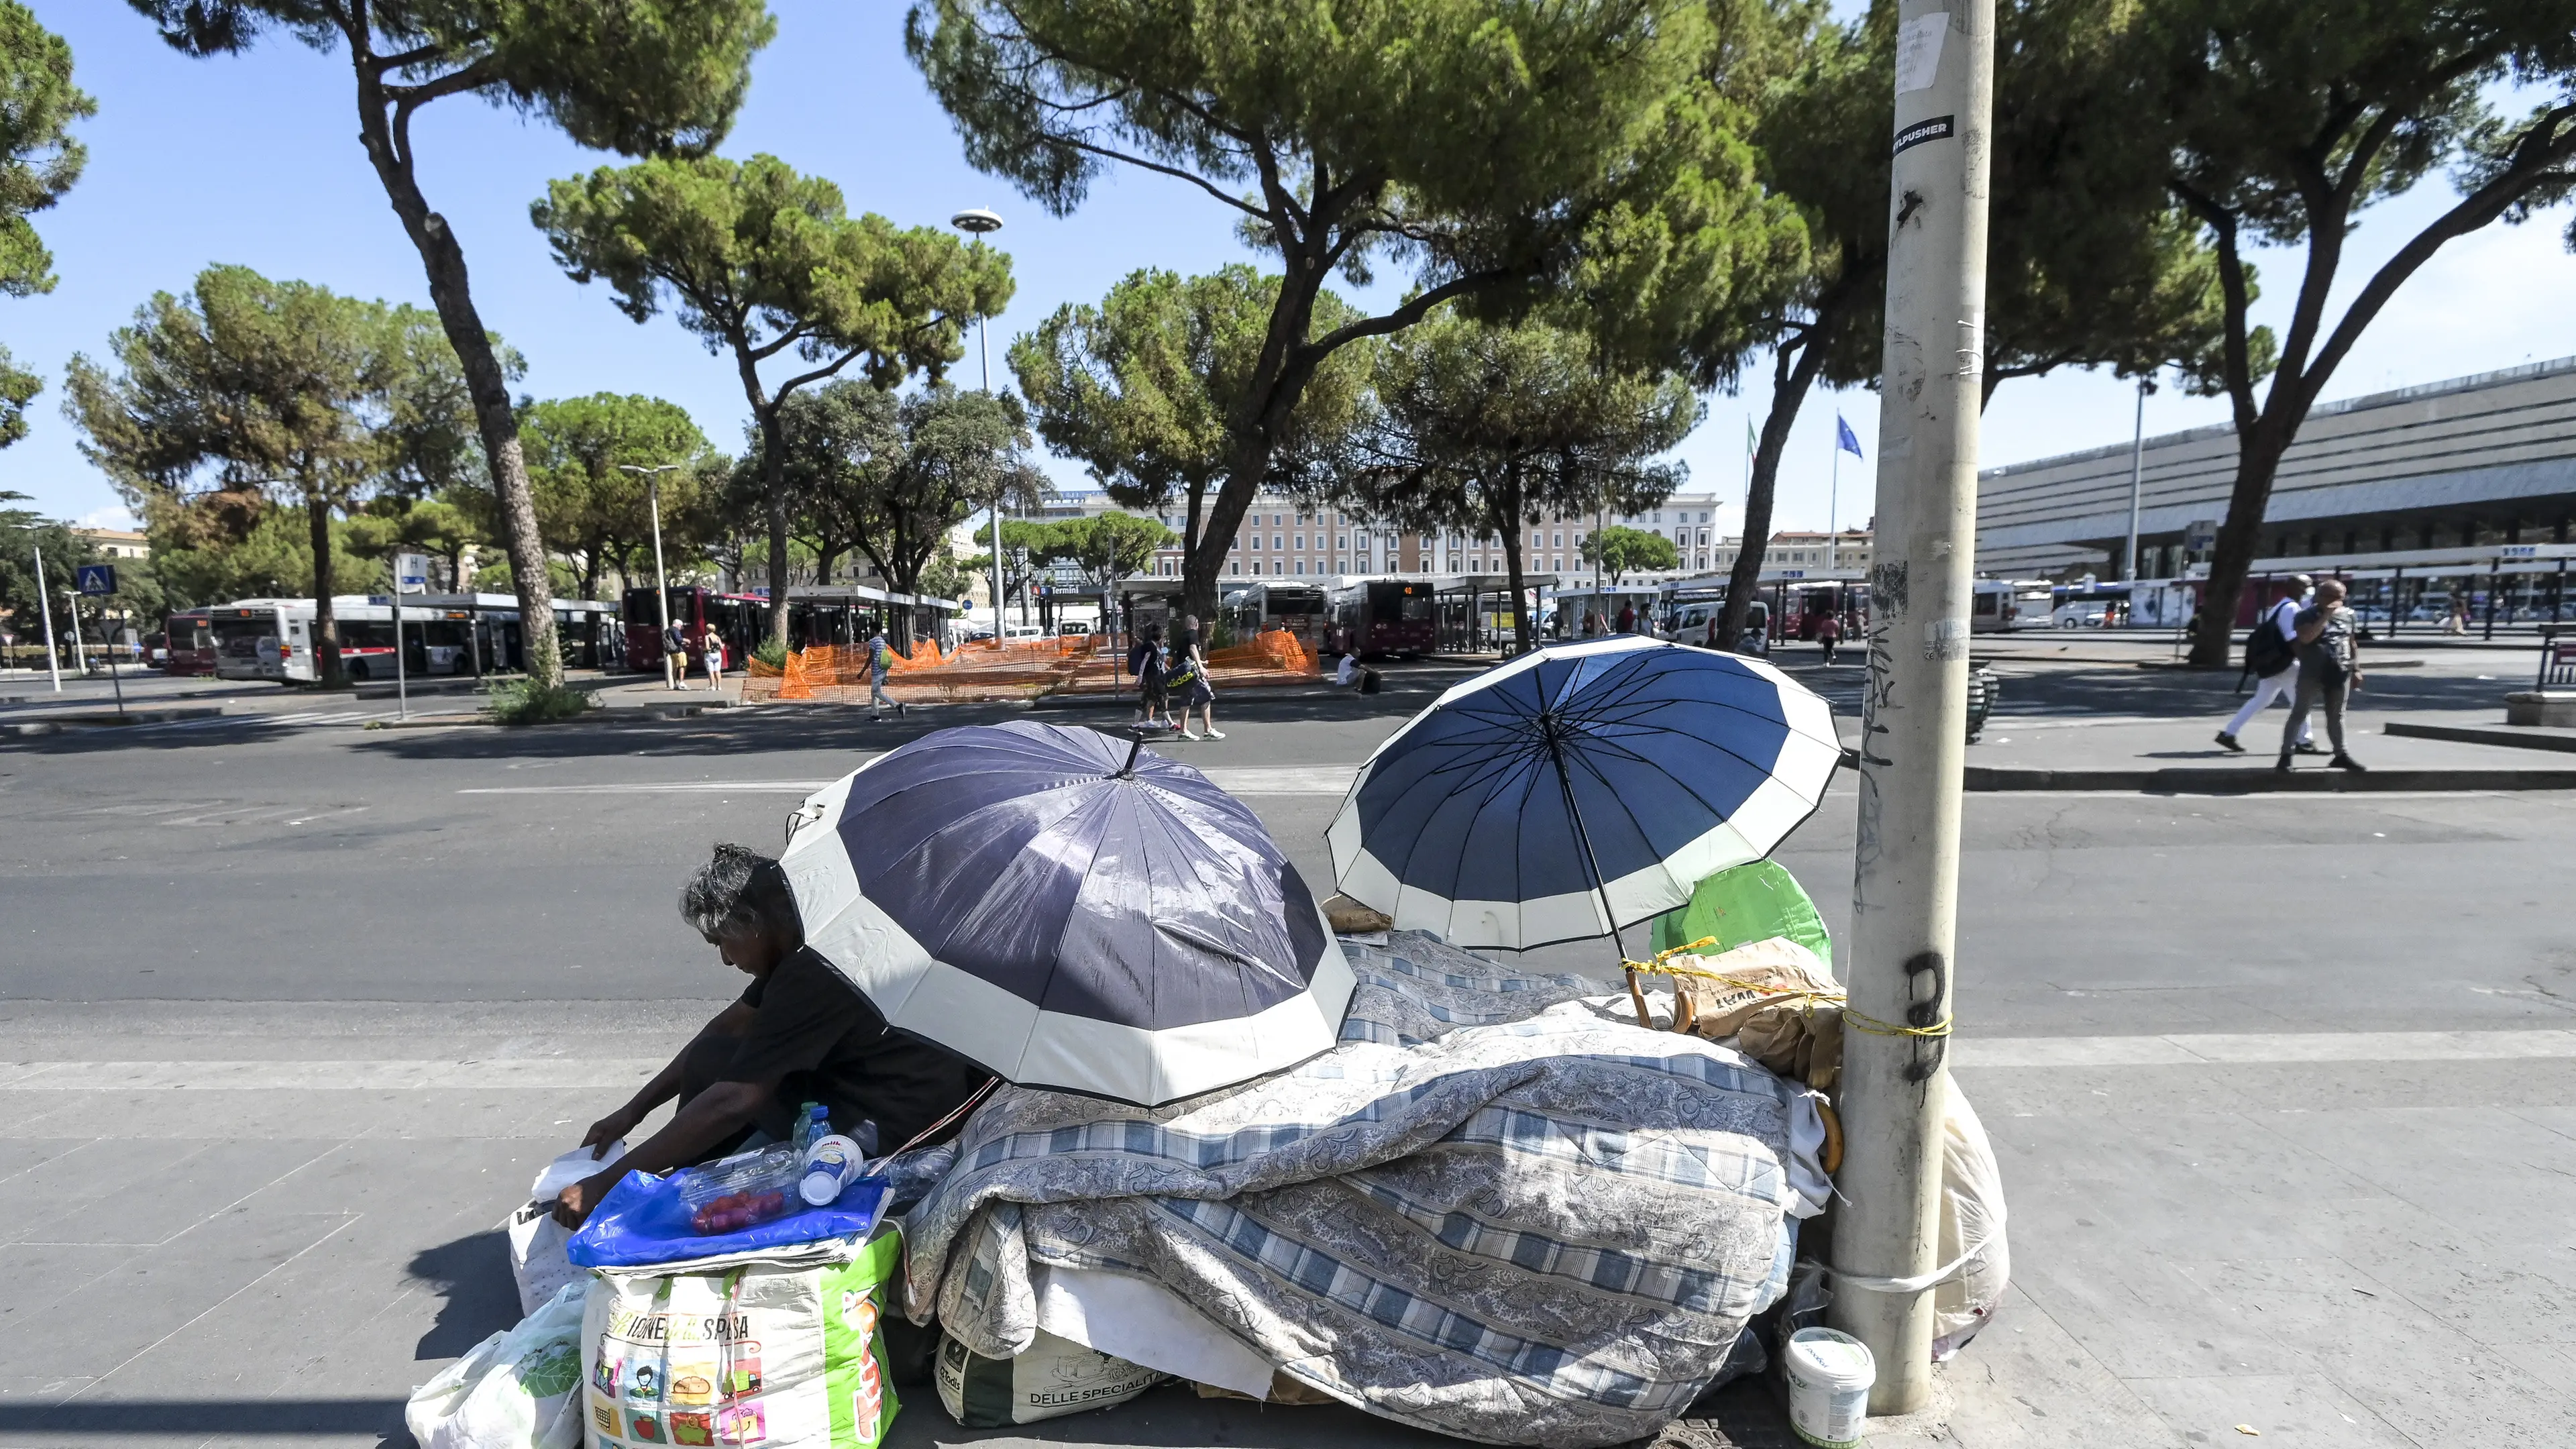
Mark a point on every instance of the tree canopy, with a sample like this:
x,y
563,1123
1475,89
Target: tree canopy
x,y
762,262
39,161
578,451
1140,388
248,386
1499,149
1490,428
2279,122
634,76
1111,546
1617,550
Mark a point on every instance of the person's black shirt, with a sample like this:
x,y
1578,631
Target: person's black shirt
x,y
826,1044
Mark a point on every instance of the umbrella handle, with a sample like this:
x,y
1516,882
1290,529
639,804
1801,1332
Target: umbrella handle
x,y
1639,998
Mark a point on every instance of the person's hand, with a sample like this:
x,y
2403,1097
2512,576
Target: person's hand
x,y
604,1133
575,1204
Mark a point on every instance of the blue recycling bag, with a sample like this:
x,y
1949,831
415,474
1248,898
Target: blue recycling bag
x,y
643,1222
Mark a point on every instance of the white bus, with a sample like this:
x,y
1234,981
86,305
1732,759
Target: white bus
x,y
273,639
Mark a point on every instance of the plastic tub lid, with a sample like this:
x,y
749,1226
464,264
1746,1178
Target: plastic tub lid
x,y
1838,1357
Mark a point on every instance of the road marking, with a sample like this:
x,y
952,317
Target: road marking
x,y
506,1074
1239,780
2271,1047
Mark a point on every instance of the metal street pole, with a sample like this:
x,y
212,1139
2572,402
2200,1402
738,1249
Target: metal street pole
x,y
2137,475
1905,877
1834,496
402,681
661,583
45,605
108,645
978,222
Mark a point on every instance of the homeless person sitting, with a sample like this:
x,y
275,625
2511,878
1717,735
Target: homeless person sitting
x,y
800,1033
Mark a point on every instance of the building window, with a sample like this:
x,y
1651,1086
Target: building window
x,y
1234,568
1659,515
1301,565
1301,541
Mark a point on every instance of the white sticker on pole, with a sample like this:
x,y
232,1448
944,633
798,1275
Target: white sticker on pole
x,y
1945,639
1918,50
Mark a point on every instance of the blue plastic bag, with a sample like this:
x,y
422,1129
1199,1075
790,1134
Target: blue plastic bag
x,y
642,1222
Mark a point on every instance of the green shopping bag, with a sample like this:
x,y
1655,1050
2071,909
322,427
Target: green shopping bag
x,y
1751,902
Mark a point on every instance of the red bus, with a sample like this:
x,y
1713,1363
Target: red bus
x,y
191,644
1388,616
740,620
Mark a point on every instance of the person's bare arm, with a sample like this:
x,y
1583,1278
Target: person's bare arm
x,y
2308,632
711,1116
733,1021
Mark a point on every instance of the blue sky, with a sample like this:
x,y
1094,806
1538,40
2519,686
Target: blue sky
x,y
254,160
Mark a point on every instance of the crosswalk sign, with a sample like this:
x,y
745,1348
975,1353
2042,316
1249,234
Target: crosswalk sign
x,y
96,580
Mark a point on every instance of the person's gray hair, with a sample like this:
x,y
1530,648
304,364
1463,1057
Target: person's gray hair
x,y
715,893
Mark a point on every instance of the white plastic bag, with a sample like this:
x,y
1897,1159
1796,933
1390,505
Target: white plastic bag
x,y
516,1390
537,1241
1972,1230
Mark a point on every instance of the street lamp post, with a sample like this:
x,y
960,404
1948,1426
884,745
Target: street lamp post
x,y
53,664
2137,478
661,587
977,222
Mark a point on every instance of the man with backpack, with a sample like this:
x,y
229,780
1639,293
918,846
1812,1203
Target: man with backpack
x,y
2329,666
2272,659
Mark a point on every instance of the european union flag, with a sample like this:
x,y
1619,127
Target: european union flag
x,y
1843,438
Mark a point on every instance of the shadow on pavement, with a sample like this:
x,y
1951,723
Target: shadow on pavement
x,y
472,1274
202,1419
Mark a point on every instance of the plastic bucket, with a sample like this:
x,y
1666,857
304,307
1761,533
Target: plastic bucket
x,y
1829,1378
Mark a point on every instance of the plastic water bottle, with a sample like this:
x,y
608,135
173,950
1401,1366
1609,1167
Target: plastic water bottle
x,y
812,1120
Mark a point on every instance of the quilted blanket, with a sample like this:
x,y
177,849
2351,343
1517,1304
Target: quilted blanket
x,y
1496,1211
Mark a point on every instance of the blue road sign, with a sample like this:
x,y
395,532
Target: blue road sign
x,y
96,579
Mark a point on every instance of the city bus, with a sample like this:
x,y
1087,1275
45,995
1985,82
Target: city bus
x,y
273,639
1298,608
740,620
1996,605
189,644
1386,616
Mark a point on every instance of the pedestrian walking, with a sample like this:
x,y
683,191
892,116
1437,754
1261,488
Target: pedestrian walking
x,y
1190,675
1829,632
880,664
2272,658
2329,667
675,657
1627,618
1145,661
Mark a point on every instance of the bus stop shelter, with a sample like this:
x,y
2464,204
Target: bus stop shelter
x,y
1475,610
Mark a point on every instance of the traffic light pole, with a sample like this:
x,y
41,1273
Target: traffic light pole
x,y
1914,711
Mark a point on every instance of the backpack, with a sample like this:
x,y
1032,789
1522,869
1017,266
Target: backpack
x,y
2267,650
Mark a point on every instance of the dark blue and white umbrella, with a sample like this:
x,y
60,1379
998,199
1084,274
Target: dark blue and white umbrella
x,y
1069,911
1579,789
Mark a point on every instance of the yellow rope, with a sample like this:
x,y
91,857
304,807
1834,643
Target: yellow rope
x,y
1870,1024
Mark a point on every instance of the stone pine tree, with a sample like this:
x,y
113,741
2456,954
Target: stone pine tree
x,y
39,161
1140,388
830,435
1499,150
248,383
578,450
2285,119
765,264
1490,428
1617,550
633,76
2091,264
953,453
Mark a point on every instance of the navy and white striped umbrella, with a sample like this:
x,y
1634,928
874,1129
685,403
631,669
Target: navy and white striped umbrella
x,y
1579,789
1068,911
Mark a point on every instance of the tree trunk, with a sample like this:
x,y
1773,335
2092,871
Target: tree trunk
x,y
451,291
773,488
326,624
2258,460
1520,598
1789,384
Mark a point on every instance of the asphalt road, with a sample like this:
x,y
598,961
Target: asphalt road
x,y
241,860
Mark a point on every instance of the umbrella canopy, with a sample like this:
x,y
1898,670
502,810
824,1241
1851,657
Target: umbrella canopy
x,y
1579,789
1070,911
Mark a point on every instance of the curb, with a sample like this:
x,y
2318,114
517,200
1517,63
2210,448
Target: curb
x,y
2505,735
2186,781
55,724
1089,699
